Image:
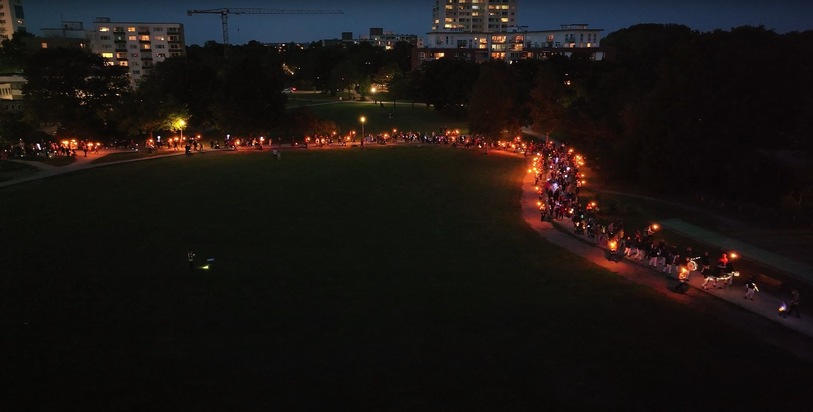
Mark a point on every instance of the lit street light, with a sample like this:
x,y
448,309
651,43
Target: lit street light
x,y
180,124
363,119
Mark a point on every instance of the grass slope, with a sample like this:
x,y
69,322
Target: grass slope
x,y
385,278
405,117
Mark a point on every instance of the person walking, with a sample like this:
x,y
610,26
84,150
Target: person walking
x,y
191,258
705,263
794,304
750,289
708,277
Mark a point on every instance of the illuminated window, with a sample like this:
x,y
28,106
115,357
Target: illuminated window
x,y
144,37
104,28
107,55
132,38
44,45
131,29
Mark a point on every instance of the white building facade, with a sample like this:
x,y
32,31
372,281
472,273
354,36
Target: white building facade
x,y
514,44
11,92
12,18
474,15
136,45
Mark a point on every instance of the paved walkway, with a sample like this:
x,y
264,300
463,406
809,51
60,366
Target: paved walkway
x,y
799,270
81,163
760,316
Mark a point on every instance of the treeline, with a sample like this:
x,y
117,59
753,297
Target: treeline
x,y
723,114
74,93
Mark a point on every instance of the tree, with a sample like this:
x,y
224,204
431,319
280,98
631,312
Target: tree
x,y
74,90
492,111
250,99
179,85
12,128
447,84
13,52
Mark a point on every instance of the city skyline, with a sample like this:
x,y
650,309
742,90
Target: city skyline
x,y
414,17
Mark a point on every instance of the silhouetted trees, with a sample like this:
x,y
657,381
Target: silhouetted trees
x,y
73,90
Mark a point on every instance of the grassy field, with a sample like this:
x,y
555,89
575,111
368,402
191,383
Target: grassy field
x,y
404,116
386,278
130,155
10,170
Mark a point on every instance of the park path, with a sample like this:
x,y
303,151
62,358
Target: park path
x,y
799,270
759,316
81,163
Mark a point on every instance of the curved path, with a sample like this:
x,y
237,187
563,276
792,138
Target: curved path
x,y
81,163
759,317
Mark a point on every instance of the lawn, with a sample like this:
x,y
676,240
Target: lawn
x,y
385,278
10,170
404,116
131,155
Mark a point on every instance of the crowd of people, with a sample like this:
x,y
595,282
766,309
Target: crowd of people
x,y
558,180
45,149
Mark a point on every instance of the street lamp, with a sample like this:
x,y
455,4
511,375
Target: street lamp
x,y
181,125
363,119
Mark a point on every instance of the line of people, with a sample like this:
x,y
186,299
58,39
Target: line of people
x,y
557,167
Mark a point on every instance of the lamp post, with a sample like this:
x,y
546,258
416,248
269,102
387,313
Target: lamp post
x,y
363,119
181,125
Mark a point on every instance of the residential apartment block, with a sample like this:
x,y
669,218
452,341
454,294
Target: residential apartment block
x,y
511,45
384,39
474,15
12,17
71,34
137,46
11,92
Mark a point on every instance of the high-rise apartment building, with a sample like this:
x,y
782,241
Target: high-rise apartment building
x,y
137,46
12,18
483,16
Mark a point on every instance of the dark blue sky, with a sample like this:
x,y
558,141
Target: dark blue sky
x,y
415,16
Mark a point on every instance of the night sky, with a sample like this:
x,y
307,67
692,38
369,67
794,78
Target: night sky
x,y
415,16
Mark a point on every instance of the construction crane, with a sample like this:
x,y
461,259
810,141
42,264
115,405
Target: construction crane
x,y
224,16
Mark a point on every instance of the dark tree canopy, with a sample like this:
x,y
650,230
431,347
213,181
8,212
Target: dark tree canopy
x,y
74,90
492,111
